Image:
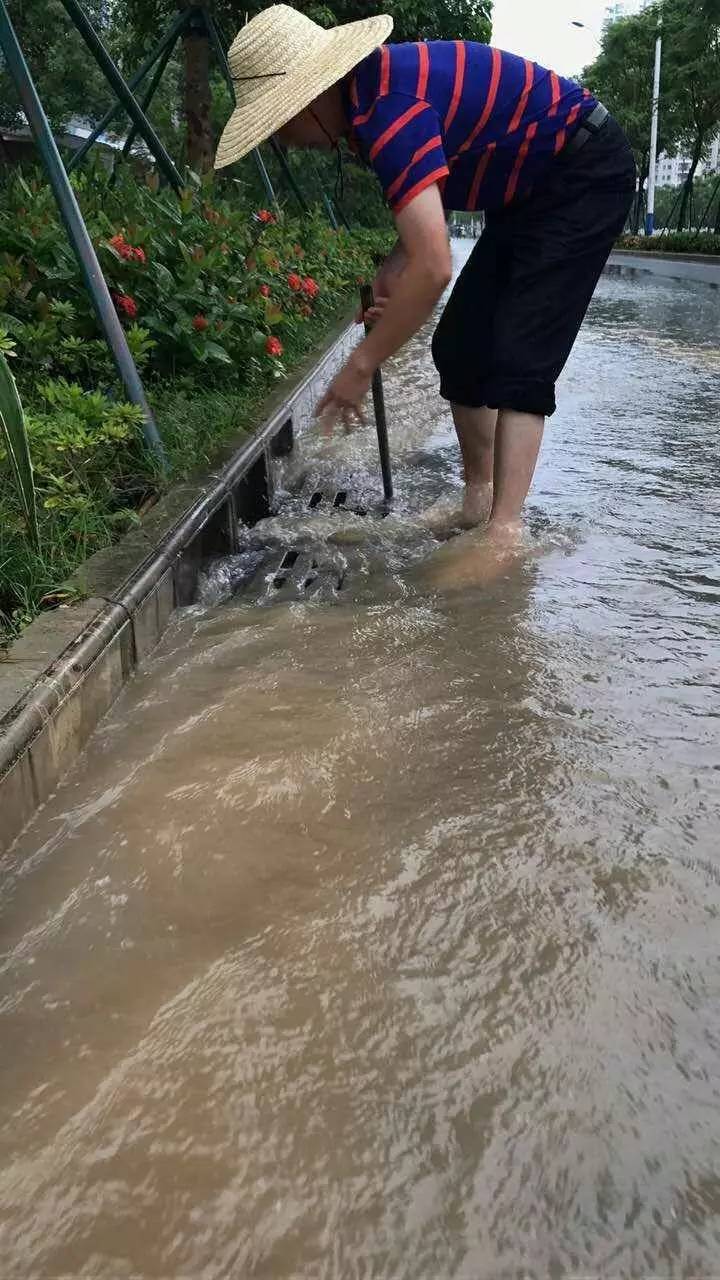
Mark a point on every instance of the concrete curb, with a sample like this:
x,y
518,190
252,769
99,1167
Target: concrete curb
x,y
67,668
696,268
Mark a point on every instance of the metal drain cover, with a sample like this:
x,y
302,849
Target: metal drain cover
x,y
296,574
339,499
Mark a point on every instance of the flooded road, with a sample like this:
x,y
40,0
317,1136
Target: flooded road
x,y
378,938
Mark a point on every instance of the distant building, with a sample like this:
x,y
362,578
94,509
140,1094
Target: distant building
x,y
673,170
623,9
18,144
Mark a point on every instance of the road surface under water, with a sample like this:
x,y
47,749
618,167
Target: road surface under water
x,y
379,938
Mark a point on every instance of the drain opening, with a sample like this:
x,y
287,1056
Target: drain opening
x,y
316,499
340,498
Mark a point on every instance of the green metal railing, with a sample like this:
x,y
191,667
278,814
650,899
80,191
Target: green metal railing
x,y
76,229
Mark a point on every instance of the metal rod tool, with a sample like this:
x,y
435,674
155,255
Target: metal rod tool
x,y
367,300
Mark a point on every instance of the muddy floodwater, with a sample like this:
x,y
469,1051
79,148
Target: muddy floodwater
x,y
377,935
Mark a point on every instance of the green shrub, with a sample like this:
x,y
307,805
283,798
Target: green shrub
x,y
674,242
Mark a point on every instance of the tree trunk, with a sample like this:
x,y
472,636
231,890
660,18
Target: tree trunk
x,y
637,213
197,100
688,183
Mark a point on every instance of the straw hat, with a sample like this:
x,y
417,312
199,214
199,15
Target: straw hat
x,y
280,62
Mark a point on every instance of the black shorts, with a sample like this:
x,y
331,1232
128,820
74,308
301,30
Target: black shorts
x,y
517,305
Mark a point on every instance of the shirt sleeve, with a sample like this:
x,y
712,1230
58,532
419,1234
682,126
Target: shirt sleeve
x,y
402,140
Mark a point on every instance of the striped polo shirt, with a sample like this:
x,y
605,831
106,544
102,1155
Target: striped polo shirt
x,y
481,123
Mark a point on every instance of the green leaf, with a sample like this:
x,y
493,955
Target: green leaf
x,y
11,324
163,277
12,426
217,352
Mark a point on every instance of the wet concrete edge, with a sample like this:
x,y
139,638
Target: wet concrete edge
x,y
695,268
66,669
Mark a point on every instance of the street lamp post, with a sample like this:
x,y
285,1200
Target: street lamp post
x,y
650,215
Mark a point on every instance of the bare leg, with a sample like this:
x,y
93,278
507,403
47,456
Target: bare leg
x,y
517,445
482,555
476,435
475,430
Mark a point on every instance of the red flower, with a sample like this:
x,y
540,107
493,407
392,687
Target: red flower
x,y
264,215
265,290
125,304
200,322
273,346
120,245
295,282
310,287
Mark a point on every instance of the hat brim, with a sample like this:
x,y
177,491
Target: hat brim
x,y
345,47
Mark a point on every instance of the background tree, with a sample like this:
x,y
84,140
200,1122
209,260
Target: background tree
x,y
68,77
691,67
690,98
621,77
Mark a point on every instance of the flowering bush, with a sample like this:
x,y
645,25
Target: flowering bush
x,y
206,280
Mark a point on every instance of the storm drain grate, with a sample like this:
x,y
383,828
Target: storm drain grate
x,y
295,575
340,499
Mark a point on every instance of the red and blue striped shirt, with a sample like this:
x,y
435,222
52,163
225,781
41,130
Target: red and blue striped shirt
x,y
481,123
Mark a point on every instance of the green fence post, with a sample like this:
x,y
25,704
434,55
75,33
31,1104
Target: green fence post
x,y
168,40
125,95
149,95
77,231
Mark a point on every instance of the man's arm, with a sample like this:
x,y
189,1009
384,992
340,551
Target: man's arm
x,y
427,271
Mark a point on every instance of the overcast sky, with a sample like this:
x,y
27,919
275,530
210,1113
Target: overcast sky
x,y
542,30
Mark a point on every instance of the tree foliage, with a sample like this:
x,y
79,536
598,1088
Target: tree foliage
x,y
622,76
691,65
69,80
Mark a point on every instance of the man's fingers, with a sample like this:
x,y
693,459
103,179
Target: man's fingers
x,y
352,415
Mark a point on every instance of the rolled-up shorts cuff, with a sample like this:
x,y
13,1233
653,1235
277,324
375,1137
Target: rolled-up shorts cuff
x,y
520,395
471,398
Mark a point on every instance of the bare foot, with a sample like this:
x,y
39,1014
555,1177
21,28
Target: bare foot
x,y
473,559
445,516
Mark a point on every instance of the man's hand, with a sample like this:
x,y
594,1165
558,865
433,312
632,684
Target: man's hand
x,y
385,282
344,397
